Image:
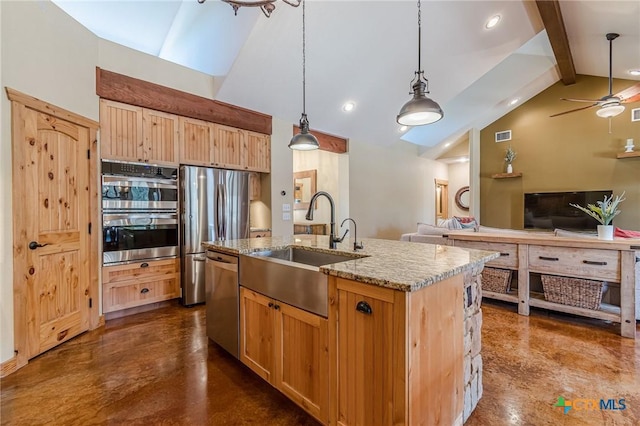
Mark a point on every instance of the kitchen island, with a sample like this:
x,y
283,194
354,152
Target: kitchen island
x,y
400,343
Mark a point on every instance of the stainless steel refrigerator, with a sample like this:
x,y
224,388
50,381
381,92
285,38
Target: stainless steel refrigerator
x,y
214,206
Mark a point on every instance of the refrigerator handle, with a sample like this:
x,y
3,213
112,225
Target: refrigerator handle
x,y
219,213
224,206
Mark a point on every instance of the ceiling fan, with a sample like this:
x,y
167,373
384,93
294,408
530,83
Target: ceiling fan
x,y
610,105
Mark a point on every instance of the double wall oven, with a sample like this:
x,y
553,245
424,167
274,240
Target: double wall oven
x,y
139,212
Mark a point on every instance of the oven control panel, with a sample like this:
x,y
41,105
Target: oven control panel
x,y
138,170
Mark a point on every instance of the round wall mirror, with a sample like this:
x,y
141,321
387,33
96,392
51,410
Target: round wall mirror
x,y
462,198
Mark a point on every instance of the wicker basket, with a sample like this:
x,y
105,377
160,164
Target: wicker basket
x,y
496,280
573,291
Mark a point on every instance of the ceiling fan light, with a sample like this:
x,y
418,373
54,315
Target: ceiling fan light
x,y
610,110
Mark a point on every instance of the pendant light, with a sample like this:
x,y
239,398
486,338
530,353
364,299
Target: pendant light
x,y
420,110
304,141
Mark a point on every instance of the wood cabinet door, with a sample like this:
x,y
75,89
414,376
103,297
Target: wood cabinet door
x,y
121,131
196,142
257,333
229,147
255,186
257,156
302,359
365,358
51,231
160,131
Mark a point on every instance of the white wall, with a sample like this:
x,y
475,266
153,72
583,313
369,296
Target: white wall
x,y
332,177
391,188
458,177
281,177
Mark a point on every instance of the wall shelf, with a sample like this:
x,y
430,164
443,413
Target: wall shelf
x,y
629,154
506,175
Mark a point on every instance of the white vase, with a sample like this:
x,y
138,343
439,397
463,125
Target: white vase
x,y
509,168
605,232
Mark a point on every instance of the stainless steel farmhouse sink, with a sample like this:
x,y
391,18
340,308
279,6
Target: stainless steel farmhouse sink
x,y
290,275
307,257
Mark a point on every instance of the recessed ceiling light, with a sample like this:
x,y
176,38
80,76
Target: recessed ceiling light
x,y
463,160
348,106
513,101
492,22
634,72
403,128
448,144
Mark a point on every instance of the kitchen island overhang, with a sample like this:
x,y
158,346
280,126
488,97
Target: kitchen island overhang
x,y
407,271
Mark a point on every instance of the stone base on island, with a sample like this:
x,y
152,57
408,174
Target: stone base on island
x,y
472,341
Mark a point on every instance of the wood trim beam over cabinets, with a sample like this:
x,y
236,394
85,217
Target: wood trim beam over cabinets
x,y
327,142
554,24
132,91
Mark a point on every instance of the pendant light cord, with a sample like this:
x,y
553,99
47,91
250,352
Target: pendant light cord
x,y
304,83
610,67
419,37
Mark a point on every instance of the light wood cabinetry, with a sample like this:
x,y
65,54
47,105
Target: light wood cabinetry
x,y
257,155
288,347
196,142
366,356
255,186
611,261
397,357
160,136
228,147
140,283
120,131
131,133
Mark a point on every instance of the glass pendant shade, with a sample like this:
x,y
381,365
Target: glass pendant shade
x,y
610,110
304,141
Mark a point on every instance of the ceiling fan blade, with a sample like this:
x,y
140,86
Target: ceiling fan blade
x,y
574,110
630,94
580,100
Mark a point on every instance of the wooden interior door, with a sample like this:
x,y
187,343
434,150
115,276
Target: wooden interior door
x,y
52,245
442,199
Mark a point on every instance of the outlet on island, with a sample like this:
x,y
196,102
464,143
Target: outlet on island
x,y
286,216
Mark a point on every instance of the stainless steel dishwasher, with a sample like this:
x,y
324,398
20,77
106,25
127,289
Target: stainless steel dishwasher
x,y
222,300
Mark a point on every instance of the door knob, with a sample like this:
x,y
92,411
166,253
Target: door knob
x,y
34,245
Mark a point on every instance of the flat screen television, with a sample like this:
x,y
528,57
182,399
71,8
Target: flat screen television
x,y
551,210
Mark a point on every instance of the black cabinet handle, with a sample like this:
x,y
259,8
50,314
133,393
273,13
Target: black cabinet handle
x,y
277,307
271,304
144,290
34,245
144,265
364,307
593,262
553,259
504,254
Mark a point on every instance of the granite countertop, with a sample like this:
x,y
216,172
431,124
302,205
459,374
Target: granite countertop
x,y
400,265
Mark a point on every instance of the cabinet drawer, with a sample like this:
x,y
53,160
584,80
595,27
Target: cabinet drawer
x,y
118,296
577,262
508,252
140,270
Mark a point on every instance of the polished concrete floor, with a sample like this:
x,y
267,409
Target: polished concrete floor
x,y
159,368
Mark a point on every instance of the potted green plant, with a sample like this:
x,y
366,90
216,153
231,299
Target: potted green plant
x,y
509,156
603,212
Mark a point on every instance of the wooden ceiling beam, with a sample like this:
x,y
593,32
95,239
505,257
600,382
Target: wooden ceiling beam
x,y
132,91
554,24
327,142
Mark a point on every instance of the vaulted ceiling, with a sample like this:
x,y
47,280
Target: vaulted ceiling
x,y
366,52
